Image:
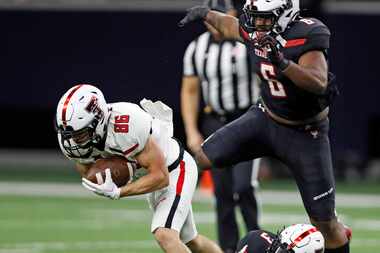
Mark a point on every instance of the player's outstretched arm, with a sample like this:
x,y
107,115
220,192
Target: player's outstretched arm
x,y
227,25
151,158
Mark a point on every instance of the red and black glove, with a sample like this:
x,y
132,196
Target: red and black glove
x,y
272,46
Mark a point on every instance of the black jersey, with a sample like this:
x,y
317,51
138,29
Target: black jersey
x,y
278,92
256,241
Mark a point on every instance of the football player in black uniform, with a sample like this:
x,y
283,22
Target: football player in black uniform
x,y
297,238
290,123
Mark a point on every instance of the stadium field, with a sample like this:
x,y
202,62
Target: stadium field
x,y
79,224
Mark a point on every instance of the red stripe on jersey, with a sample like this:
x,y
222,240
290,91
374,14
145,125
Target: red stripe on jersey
x,y
128,151
67,103
295,43
301,237
181,178
244,33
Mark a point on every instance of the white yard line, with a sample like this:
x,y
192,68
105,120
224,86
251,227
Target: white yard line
x,y
98,218
132,247
37,247
266,197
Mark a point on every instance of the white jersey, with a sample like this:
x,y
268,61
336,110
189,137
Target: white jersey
x,y
129,127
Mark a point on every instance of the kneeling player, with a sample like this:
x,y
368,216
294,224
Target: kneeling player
x,y
89,128
298,238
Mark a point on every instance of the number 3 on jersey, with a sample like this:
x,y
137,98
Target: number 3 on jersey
x,y
276,88
121,124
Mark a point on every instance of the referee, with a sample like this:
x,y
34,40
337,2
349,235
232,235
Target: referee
x,y
220,72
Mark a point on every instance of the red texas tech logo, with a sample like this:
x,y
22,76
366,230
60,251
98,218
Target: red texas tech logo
x,y
94,107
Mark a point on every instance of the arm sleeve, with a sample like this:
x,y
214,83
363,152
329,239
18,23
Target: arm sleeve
x,y
189,68
139,128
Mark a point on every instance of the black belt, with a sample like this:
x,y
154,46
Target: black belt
x,y
175,164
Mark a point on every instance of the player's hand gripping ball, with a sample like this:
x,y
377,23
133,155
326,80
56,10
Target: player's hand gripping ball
x,y
121,170
107,175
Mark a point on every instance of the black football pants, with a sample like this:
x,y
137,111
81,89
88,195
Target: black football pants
x,y
234,186
304,149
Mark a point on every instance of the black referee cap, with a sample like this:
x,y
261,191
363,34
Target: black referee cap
x,y
220,5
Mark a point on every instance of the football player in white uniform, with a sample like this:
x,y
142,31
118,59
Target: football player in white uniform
x,y
89,128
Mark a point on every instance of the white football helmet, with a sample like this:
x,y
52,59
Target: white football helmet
x,y
302,238
81,120
282,12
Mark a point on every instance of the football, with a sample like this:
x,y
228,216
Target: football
x,y
119,166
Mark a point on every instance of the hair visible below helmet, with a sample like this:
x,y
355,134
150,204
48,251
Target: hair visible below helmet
x,y
282,12
302,238
81,117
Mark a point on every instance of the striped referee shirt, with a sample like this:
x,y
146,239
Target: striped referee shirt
x,y
224,70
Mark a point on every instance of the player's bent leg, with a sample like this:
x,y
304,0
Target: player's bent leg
x,y
334,232
201,244
243,139
197,243
172,222
169,240
311,164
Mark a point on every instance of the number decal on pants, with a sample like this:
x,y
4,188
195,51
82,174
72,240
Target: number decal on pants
x,y
276,87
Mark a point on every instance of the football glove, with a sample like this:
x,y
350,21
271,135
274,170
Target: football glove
x,y
109,189
194,13
276,245
267,42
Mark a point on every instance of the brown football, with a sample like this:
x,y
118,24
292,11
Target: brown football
x,y
118,166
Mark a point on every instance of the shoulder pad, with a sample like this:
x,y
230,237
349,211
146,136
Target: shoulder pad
x,y
306,34
307,27
129,127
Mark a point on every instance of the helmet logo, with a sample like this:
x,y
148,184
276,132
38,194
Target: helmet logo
x,y
93,107
301,237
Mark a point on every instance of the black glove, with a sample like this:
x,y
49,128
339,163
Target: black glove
x,y
274,55
277,246
194,13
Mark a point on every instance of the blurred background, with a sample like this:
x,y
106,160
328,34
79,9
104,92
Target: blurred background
x,y
133,49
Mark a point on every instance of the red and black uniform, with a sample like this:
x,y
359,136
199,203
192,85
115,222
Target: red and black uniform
x,y
304,148
278,92
257,241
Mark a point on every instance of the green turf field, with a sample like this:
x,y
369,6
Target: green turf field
x,y
78,225
85,224
43,173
